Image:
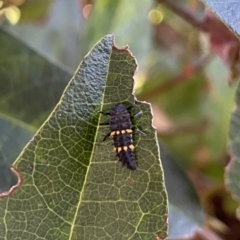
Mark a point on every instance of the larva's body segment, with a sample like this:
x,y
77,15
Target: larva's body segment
x,y
121,131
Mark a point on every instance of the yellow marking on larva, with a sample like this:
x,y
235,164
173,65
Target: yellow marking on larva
x,y
114,149
123,131
117,132
131,147
112,133
125,148
119,149
129,130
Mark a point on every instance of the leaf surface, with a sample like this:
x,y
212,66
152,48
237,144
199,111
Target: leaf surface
x,y
228,12
185,212
14,136
181,193
73,187
30,84
124,17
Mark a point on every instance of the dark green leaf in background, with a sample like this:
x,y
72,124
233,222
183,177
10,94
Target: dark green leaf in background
x,y
121,17
30,85
13,137
75,188
228,12
57,35
180,190
181,224
185,212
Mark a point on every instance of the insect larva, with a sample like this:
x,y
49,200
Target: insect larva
x,y
121,131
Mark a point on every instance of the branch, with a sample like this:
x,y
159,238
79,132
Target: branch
x,y
186,75
184,13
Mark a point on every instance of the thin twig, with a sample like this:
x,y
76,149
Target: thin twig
x,y
182,77
184,13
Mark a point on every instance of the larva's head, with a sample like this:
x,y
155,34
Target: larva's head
x,y
118,109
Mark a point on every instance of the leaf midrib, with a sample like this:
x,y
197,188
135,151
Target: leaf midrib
x,y
90,160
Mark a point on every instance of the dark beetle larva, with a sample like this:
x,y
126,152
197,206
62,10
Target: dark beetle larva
x,y
121,131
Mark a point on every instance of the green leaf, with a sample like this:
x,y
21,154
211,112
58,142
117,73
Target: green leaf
x,y
181,224
75,188
30,85
14,135
54,36
233,168
121,17
185,212
227,11
181,193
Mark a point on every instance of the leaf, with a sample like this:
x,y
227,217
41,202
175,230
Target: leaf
x,y
27,77
185,212
121,17
228,11
75,188
76,33
221,41
181,193
58,38
14,135
233,168
218,110
181,224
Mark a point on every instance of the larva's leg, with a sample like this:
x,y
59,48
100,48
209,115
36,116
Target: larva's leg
x,y
106,123
105,113
130,107
108,135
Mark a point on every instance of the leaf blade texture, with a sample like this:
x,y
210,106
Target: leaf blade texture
x,y
228,12
75,188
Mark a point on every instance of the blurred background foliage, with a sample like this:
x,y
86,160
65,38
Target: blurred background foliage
x,y
184,72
